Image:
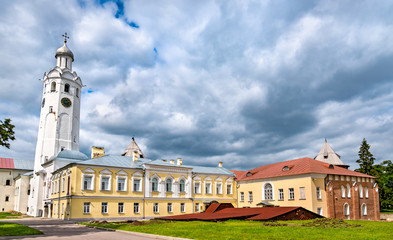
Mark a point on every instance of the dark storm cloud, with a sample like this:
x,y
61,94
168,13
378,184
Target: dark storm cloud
x,y
246,83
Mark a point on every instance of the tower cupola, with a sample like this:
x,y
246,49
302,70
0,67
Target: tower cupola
x,y
64,55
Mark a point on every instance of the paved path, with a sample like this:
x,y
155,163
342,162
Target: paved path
x,y
65,230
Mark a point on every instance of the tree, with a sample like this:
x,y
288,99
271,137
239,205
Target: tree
x,y
366,159
6,132
384,174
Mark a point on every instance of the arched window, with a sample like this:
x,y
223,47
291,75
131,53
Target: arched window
x,y
154,185
77,92
67,87
342,191
53,87
366,192
268,191
168,185
348,190
360,191
346,209
364,209
182,185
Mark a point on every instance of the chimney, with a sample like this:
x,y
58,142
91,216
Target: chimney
x,y
97,152
179,161
172,161
135,156
220,164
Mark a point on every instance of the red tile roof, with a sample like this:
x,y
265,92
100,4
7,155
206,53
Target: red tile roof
x,y
296,167
229,212
7,163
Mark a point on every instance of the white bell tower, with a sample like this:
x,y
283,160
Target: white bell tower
x,y
59,121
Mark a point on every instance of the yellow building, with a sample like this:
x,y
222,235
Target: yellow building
x,y
130,187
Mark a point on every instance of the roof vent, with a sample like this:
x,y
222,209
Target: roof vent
x,y
249,174
285,168
331,166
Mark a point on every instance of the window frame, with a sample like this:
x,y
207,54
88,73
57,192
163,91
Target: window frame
x,y
137,185
219,188
102,177
268,191
120,207
241,196
86,208
182,186
169,207
250,196
156,208
319,193
229,186
136,207
302,193
182,207
122,178
291,194
281,194
168,185
208,187
104,207
197,190
196,207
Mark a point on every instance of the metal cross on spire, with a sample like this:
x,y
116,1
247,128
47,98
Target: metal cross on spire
x,y
65,37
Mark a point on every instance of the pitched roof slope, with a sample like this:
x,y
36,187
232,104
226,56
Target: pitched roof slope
x,y
10,163
129,152
295,167
328,155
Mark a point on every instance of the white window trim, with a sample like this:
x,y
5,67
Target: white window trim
x,y
250,196
139,208
210,188
184,209
300,193
169,209
366,192
185,184
348,190
227,183
172,184
118,205
125,183
263,191
89,204
220,189
321,213
319,193
283,194
197,209
156,210
241,196
109,182
364,209
360,191
107,206
289,194
92,181
347,213
140,184
199,188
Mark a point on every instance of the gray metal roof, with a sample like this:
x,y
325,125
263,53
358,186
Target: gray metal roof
x,y
28,173
166,163
24,164
210,170
116,161
70,154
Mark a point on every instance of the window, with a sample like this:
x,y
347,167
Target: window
x,y
229,188
53,87
63,185
169,207
104,207
121,184
319,194
364,209
77,92
7,198
105,183
291,194
121,207
136,207
208,188
168,185
219,188
62,209
250,198
366,192
8,182
154,185
281,194
241,196
68,185
155,208
319,211
182,186
268,191
342,191
86,207
360,191
66,87
182,207
346,209
196,207
87,183
137,185
348,190
50,110
197,187
302,193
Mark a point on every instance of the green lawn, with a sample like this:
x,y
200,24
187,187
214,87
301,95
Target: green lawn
x,y
239,230
13,229
7,215
386,210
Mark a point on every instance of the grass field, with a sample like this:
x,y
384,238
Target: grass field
x,y
7,215
386,210
13,229
241,230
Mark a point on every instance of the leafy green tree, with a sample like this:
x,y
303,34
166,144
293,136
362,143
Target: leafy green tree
x,y
6,132
384,174
366,159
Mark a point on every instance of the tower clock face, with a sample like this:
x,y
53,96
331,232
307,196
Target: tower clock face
x,y
66,102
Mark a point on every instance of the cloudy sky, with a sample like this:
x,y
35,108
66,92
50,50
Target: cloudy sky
x,y
243,82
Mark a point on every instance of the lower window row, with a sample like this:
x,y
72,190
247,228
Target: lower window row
x,y
156,209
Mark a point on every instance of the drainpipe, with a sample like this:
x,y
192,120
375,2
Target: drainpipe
x,y
143,189
58,207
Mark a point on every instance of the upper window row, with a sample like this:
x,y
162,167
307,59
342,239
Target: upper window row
x,y
65,89
106,183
